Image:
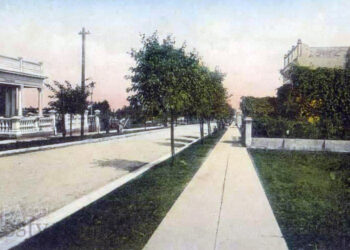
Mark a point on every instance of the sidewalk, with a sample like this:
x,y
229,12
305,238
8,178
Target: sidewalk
x,y
77,134
223,207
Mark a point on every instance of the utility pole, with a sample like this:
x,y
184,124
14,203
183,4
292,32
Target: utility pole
x,y
83,33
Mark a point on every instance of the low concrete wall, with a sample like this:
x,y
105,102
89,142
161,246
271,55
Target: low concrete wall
x,y
337,146
267,143
292,144
301,144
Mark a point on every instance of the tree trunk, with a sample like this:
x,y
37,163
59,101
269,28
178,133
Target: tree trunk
x,y
201,127
165,121
63,125
71,125
172,139
82,124
107,124
209,127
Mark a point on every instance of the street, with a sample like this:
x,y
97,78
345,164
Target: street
x,y
35,184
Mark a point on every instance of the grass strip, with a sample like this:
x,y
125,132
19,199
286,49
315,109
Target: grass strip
x,y
127,217
310,196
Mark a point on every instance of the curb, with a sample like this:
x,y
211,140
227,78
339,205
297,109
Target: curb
x,y
33,228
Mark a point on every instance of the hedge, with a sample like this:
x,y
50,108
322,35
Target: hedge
x,y
281,127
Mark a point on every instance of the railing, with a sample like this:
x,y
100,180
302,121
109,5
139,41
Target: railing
x,y
18,64
34,126
292,54
18,126
28,125
45,123
5,125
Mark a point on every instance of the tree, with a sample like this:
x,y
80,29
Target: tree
x,y
218,97
60,95
222,110
67,99
200,103
207,93
159,79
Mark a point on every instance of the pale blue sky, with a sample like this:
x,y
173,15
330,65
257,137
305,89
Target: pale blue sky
x,y
246,39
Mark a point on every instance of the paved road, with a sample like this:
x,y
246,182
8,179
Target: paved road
x,y
34,184
223,207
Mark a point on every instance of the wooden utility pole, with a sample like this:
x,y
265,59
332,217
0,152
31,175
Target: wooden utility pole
x,y
83,33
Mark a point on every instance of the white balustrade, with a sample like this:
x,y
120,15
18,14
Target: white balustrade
x,y
28,125
17,126
45,123
5,125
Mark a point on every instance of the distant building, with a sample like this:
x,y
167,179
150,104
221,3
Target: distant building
x,y
314,57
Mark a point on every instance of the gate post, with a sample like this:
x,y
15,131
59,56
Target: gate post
x,y
248,131
97,120
239,120
53,121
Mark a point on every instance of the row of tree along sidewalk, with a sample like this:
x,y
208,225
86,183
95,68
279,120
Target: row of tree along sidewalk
x,y
167,82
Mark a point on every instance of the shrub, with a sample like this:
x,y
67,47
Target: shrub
x,y
281,127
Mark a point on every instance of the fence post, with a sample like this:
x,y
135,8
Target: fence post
x,y
67,122
53,120
86,121
36,124
16,126
248,131
97,120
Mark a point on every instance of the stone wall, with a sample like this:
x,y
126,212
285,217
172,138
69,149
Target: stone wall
x,y
301,144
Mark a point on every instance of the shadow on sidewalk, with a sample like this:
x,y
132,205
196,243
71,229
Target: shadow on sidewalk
x,y
235,142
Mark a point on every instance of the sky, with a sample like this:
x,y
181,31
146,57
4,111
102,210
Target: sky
x,y
245,39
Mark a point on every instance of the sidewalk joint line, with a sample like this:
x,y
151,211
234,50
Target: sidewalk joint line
x,y
221,202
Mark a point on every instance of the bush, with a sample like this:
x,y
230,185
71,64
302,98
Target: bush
x,y
280,127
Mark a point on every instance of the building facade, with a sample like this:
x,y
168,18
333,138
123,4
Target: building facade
x,y
16,74
314,57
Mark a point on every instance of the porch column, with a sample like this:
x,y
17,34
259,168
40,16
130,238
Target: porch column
x,y
19,97
40,97
13,101
7,102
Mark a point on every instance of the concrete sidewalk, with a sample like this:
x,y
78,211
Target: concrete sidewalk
x,y
223,207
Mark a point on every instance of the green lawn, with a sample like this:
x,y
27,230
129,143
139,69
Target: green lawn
x,y
127,217
310,196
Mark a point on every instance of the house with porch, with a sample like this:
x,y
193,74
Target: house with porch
x,y
16,74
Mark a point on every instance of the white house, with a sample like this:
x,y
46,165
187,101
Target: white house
x,y
15,75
